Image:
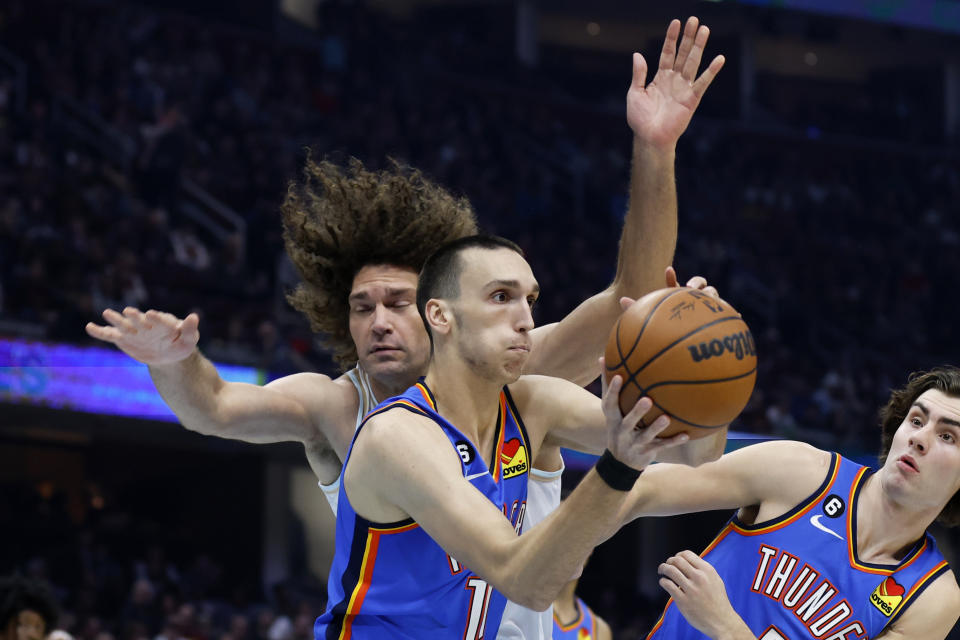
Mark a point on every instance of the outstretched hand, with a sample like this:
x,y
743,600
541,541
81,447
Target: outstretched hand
x,y
630,443
153,338
660,111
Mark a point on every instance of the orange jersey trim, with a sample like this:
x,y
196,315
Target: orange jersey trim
x,y
918,586
501,431
426,395
366,573
851,540
779,524
572,624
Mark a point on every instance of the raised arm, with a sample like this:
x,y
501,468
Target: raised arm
x,y
658,113
289,409
402,465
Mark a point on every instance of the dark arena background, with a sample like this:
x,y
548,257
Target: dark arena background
x,y
145,148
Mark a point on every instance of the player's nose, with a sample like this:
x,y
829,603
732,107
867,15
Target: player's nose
x,y
381,320
920,439
524,320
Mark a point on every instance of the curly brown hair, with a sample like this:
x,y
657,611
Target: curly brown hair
x,y
945,379
338,220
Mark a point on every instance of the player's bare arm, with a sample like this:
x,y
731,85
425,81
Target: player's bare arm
x,y
303,408
575,423
402,466
765,480
658,113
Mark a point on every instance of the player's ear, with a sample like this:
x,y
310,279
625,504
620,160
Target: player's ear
x,y
439,316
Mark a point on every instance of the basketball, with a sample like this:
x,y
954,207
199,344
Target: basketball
x,y
690,353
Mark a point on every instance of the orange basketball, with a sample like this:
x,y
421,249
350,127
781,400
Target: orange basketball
x,y
688,352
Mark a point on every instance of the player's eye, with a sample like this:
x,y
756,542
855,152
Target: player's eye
x,y
917,422
948,437
532,302
362,309
499,296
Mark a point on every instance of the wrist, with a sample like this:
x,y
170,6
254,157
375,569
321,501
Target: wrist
x,y
654,151
615,474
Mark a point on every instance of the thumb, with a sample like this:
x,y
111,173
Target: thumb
x,y
639,72
671,277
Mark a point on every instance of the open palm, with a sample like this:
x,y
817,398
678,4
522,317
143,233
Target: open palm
x,y
659,112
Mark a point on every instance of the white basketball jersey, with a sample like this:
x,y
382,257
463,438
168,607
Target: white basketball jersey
x,y
520,623
361,381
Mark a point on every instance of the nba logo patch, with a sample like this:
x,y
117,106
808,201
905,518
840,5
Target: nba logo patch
x,y
887,596
513,456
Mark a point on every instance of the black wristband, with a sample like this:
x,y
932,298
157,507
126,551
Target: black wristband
x,y
617,475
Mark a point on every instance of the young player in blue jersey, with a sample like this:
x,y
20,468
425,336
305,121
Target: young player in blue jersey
x,y
821,547
432,497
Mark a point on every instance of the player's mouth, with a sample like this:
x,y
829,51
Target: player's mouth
x,y
384,348
908,464
520,348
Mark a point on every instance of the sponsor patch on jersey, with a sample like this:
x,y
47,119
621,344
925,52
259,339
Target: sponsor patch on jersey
x,y
513,457
887,596
583,634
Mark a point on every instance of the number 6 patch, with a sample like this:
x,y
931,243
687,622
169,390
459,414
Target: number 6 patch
x,y
833,506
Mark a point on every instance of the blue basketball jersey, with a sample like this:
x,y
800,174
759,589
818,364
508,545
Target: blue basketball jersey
x,y
583,628
799,577
392,580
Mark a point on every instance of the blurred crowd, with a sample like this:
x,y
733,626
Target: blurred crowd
x,y
834,253
118,573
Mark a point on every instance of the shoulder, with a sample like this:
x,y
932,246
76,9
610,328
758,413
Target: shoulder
x,y
331,404
933,614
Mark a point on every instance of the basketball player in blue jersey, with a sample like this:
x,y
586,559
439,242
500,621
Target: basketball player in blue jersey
x,y
573,619
433,488
359,238
821,547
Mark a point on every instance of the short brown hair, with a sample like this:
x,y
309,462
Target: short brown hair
x,y
945,379
338,220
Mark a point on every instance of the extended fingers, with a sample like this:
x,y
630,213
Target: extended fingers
x,y
611,396
687,43
700,84
119,321
639,410
136,318
107,334
668,55
692,62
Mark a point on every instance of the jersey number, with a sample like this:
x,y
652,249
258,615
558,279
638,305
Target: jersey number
x,y
479,601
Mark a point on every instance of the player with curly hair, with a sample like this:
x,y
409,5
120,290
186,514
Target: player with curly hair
x,y
359,238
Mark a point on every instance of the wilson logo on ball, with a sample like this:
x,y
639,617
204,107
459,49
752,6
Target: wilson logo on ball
x,y
739,344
